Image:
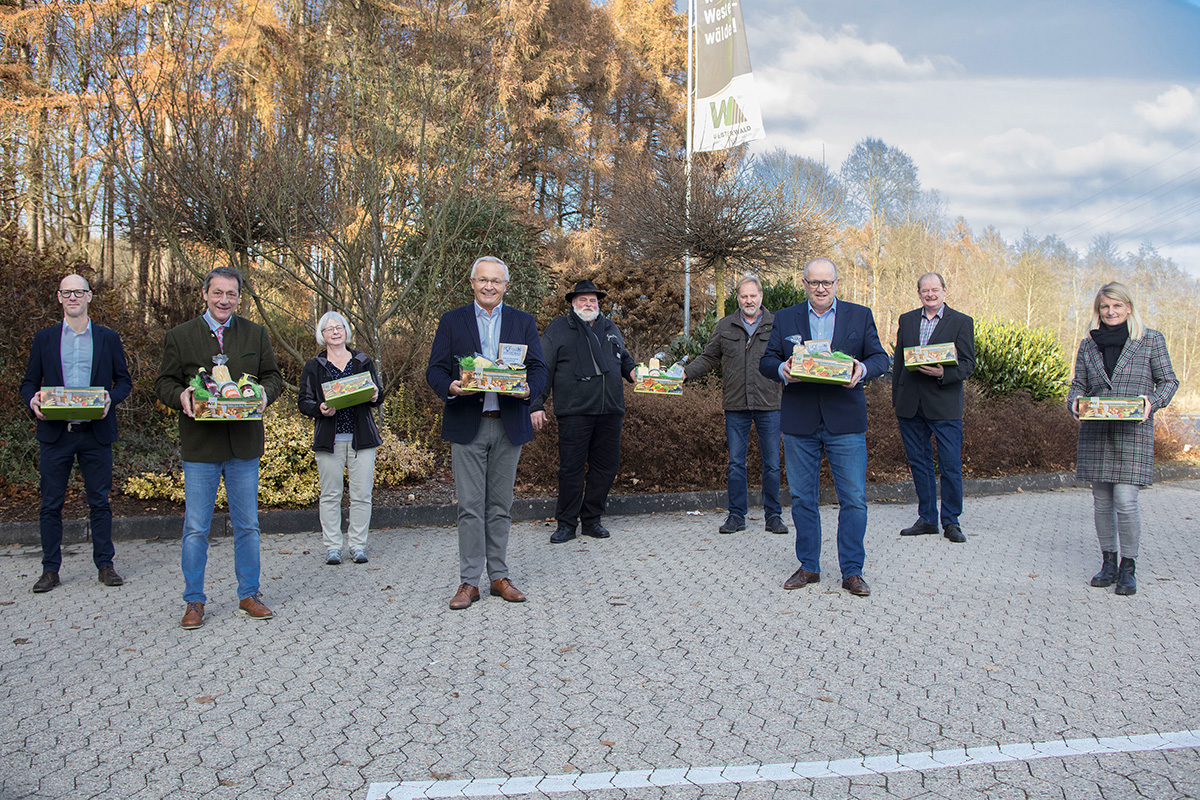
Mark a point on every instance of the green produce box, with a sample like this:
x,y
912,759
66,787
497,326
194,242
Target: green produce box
x,y
73,402
1111,409
346,392
821,368
930,354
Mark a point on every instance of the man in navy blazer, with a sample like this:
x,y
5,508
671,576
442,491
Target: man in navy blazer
x,y
816,417
77,352
929,402
485,429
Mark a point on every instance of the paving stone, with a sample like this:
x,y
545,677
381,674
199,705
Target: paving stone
x,y
665,655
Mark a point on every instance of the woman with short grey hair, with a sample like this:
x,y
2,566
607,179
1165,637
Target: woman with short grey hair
x,y
344,440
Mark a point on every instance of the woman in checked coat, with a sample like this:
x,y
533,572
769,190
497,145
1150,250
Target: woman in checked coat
x,y
1120,357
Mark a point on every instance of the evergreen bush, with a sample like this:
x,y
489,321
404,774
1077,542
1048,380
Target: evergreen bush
x,y
1011,357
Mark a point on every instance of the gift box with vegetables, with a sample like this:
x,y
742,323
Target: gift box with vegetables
x,y
818,365
653,378
217,398
351,391
480,374
72,402
930,354
1112,409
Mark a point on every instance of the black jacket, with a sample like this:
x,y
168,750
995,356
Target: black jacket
x,y
573,394
316,372
937,399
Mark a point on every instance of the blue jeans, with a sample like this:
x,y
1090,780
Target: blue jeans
x,y
915,433
200,482
847,454
737,435
95,465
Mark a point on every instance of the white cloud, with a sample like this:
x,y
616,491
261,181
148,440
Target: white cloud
x,y
1175,109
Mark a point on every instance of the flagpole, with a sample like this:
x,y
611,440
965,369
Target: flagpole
x,y
687,172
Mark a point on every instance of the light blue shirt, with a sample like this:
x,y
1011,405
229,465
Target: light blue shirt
x,y
751,327
489,337
76,353
213,325
820,326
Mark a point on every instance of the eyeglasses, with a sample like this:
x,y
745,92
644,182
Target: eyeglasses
x,y
333,329
821,284
67,293
489,281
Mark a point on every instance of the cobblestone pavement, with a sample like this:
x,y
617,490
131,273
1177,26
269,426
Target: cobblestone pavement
x,y
665,662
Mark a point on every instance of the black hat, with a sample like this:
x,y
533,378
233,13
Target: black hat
x,y
586,287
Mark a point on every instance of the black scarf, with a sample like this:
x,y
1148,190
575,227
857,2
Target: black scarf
x,y
1111,341
589,360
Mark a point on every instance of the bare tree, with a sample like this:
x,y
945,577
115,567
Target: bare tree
x,y
734,221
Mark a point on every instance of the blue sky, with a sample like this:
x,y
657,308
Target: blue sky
x,y
1066,117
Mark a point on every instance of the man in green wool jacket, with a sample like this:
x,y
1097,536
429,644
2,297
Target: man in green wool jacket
x,y
212,449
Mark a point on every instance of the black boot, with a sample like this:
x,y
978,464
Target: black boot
x,y
1126,583
1107,575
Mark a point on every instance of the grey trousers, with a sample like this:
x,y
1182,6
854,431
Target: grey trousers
x,y
484,473
332,467
1116,507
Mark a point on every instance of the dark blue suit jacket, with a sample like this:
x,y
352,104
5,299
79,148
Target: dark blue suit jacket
x,y
108,370
458,335
807,405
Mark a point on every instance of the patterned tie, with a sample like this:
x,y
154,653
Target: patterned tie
x,y
221,337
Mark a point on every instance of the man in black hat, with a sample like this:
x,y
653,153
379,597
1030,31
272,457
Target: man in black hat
x,y
586,360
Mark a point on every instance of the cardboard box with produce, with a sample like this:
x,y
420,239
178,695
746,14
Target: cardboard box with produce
x,y
217,398
653,378
1112,409
813,362
930,354
351,391
506,375
72,402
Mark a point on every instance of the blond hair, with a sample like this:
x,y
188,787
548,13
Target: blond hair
x,y
1118,291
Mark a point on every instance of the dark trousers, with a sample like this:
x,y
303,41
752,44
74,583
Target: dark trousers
x,y
95,465
591,441
916,432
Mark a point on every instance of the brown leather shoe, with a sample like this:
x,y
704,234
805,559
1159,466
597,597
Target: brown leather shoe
x,y
800,578
857,586
253,608
47,582
194,617
109,577
465,595
504,587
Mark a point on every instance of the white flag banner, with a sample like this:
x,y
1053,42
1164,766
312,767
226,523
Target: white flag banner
x,y
727,112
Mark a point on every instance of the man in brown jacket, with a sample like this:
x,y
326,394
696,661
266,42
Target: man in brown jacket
x,y
737,344
212,449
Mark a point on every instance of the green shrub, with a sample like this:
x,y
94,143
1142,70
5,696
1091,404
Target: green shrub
x,y
287,472
1011,357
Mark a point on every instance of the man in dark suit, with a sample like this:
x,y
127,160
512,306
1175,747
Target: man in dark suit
x,y
76,353
485,429
929,402
212,449
816,417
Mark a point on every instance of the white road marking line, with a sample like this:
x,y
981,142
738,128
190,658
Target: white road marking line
x,y
800,770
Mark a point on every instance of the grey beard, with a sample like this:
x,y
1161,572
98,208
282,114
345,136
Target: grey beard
x,y
588,316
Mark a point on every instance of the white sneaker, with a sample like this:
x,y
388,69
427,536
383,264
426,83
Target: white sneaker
x,y
333,557
360,555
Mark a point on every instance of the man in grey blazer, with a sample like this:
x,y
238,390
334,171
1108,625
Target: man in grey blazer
x,y
929,403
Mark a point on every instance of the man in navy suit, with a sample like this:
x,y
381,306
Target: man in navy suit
x,y
76,353
929,402
816,417
485,429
